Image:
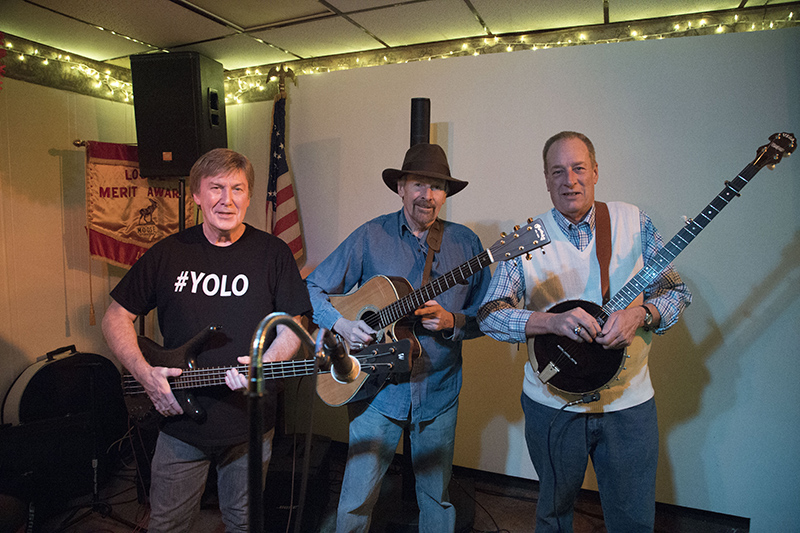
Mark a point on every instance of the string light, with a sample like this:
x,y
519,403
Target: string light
x,y
250,84
104,84
728,22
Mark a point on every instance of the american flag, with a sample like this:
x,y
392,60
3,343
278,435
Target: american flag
x,y
283,218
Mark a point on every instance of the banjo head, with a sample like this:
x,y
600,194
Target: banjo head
x,y
582,367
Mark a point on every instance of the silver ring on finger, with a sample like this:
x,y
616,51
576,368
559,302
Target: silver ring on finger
x,y
577,330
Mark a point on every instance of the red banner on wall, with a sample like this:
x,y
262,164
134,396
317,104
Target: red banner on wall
x,y
126,214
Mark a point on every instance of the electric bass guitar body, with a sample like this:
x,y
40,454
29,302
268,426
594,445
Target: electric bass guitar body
x,y
581,368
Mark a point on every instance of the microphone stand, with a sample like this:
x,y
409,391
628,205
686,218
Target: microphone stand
x,y
103,508
255,404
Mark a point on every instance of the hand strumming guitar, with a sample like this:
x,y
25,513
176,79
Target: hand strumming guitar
x,y
356,332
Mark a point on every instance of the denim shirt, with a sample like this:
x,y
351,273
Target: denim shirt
x,y
386,246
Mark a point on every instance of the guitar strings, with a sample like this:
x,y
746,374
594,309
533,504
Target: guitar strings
x,y
216,375
400,308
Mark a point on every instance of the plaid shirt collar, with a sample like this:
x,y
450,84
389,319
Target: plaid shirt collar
x,y
580,234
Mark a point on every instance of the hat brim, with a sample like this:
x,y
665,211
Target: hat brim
x,y
392,175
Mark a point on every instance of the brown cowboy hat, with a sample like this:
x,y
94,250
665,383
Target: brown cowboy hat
x,y
424,160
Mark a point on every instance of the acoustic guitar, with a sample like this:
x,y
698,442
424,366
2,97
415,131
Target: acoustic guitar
x,y
385,302
584,368
379,361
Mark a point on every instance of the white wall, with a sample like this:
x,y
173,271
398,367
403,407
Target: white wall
x,y
671,121
44,253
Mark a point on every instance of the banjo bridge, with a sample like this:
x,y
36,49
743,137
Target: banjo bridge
x,y
548,372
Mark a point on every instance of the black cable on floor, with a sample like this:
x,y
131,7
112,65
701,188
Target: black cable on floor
x,y
586,398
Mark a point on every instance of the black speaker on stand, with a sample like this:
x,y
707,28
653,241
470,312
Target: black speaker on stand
x,y
179,103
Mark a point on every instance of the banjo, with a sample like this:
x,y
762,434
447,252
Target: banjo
x,y
583,368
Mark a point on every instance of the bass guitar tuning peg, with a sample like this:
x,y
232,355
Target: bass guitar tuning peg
x,y
528,256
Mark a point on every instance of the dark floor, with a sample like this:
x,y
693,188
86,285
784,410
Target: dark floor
x,y
485,503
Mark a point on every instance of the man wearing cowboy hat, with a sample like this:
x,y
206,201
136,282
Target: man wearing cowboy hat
x,y
414,244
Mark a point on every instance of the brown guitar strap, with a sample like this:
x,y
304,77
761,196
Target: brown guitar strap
x,y
602,223
434,245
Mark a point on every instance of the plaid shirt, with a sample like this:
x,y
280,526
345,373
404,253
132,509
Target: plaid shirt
x,y
501,318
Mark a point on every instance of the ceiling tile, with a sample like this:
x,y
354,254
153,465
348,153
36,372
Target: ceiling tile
x,y
239,51
513,16
254,13
158,22
320,38
349,6
622,10
421,22
63,33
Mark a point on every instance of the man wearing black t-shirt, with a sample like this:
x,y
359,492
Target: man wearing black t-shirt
x,y
222,273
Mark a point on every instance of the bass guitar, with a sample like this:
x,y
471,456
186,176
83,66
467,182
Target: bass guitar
x,y
378,362
584,368
385,302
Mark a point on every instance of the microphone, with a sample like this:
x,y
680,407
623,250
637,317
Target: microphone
x,y
345,367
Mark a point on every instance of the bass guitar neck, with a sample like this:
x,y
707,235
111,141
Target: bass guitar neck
x,y
378,362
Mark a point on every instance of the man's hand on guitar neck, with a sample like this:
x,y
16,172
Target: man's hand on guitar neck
x,y
434,317
283,348
356,332
620,328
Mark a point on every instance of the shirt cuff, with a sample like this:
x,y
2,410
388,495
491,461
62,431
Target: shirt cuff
x,y
459,321
327,318
516,324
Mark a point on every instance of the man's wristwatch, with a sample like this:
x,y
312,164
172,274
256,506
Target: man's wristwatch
x,y
648,318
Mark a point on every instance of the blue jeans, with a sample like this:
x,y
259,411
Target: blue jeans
x,y
623,446
179,472
373,441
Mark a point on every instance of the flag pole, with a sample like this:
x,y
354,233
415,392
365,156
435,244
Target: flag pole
x,y
280,73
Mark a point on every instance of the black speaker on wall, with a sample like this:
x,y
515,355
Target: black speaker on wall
x,y
179,103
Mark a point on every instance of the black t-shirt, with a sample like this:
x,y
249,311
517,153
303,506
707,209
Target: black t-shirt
x,y
194,284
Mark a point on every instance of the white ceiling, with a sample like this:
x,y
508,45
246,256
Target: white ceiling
x,y
246,33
